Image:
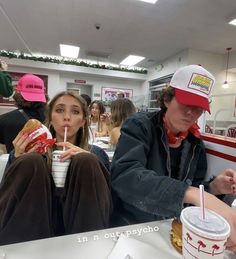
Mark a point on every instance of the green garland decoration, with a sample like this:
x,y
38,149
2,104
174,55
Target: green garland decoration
x,y
67,61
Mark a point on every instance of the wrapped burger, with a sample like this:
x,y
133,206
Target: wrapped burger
x,y
39,134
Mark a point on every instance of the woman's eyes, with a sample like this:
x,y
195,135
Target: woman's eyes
x,y
61,110
76,112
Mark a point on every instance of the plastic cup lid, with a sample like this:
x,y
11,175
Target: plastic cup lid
x,y
213,223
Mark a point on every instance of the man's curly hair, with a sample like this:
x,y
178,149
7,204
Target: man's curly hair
x,y
166,95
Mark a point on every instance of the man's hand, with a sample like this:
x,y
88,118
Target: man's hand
x,y
225,183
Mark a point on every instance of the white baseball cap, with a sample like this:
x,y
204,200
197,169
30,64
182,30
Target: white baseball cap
x,y
193,86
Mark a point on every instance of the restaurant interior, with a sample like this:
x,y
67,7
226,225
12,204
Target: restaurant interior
x,y
165,35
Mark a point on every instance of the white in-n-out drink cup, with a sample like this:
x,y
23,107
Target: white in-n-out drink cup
x,y
59,168
206,238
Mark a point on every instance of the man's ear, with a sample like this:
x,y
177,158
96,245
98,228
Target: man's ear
x,y
166,104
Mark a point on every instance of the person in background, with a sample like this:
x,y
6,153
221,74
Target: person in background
x,y
6,90
160,159
93,148
121,109
31,206
6,87
97,122
87,98
120,95
30,100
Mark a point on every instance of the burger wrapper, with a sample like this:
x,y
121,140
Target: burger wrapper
x,y
43,138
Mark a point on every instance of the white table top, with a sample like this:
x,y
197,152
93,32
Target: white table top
x,y
99,244
102,142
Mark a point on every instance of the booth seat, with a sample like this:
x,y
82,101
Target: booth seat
x,y
221,154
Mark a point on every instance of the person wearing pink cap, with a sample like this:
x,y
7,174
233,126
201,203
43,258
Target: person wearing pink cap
x,y
160,159
30,100
31,88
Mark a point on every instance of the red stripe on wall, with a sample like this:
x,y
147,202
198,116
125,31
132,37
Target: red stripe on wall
x,y
221,155
229,142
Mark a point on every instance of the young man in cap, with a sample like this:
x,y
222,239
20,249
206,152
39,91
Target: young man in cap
x,y
160,160
30,100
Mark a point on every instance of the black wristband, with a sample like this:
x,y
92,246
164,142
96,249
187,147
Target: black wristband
x,y
207,184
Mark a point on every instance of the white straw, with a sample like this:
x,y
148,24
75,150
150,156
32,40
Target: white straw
x,y
202,201
65,138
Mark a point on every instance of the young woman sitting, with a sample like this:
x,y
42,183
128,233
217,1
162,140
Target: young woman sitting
x,y
31,206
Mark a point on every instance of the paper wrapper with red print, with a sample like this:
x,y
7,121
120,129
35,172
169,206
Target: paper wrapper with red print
x,y
43,138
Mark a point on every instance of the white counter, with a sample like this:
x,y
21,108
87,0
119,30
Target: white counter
x,y
153,241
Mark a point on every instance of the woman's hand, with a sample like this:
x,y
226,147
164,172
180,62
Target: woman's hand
x,y
70,150
20,143
225,183
105,117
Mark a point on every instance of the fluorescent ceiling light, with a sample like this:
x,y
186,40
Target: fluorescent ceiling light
x,y
233,22
69,51
149,1
131,60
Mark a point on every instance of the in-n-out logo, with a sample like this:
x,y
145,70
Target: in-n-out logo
x,y
197,247
200,83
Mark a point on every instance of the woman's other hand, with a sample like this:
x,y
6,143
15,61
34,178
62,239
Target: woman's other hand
x,y
105,117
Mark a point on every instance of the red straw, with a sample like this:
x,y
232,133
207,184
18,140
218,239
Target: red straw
x,y
202,200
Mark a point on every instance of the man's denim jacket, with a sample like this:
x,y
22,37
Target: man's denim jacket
x,y
142,186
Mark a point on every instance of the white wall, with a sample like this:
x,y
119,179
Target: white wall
x,y
99,82
216,64
60,75
168,67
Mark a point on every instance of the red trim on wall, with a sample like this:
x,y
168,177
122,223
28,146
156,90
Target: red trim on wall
x,y
226,141
221,155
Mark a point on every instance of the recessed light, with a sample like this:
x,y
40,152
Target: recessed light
x,y
149,1
131,60
69,51
233,22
